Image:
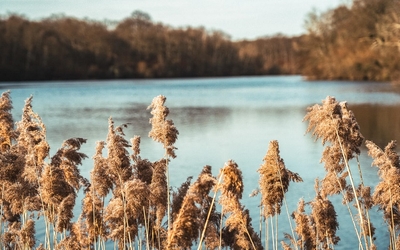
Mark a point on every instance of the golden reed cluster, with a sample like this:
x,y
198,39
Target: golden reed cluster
x,y
128,201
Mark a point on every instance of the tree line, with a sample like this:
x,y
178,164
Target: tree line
x,y
355,41
60,47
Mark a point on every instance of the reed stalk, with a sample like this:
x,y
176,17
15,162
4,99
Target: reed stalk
x,y
220,230
392,229
273,184
360,213
335,123
165,132
2,222
388,163
287,209
266,234
146,229
169,221
274,241
209,213
366,209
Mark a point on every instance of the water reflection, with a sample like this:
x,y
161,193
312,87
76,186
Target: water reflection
x,y
378,123
197,117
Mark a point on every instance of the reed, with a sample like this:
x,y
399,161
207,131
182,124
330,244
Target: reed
x,y
7,133
334,123
128,200
193,212
273,184
165,132
386,194
238,229
304,228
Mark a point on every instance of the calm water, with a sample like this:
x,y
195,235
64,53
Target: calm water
x,y
220,119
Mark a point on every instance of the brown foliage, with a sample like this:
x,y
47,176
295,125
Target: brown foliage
x,y
60,47
355,42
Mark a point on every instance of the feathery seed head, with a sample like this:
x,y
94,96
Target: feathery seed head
x,y
92,213
100,176
335,123
274,180
238,220
159,189
67,159
178,196
54,187
186,225
135,146
163,130
65,213
118,159
325,218
387,192
232,184
204,183
137,195
7,133
383,159
27,234
31,142
333,184
304,227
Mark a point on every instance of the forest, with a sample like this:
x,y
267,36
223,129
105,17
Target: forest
x,y
356,41
61,47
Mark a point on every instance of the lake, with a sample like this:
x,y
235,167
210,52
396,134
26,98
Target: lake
x,y
221,119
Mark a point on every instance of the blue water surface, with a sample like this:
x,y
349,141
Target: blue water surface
x,y
218,119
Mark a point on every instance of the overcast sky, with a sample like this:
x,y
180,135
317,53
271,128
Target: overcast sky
x,y
241,19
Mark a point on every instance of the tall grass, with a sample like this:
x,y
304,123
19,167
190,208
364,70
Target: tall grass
x,y
128,200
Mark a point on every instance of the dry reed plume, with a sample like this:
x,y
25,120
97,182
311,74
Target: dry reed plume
x,y
304,228
163,130
324,220
387,193
127,200
316,230
273,184
191,217
7,123
239,231
274,181
333,122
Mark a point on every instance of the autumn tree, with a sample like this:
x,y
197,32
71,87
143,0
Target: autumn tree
x,y
355,42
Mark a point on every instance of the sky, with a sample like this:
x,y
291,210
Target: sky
x,y
241,19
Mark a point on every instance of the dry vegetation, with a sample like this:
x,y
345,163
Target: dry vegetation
x,y
128,200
